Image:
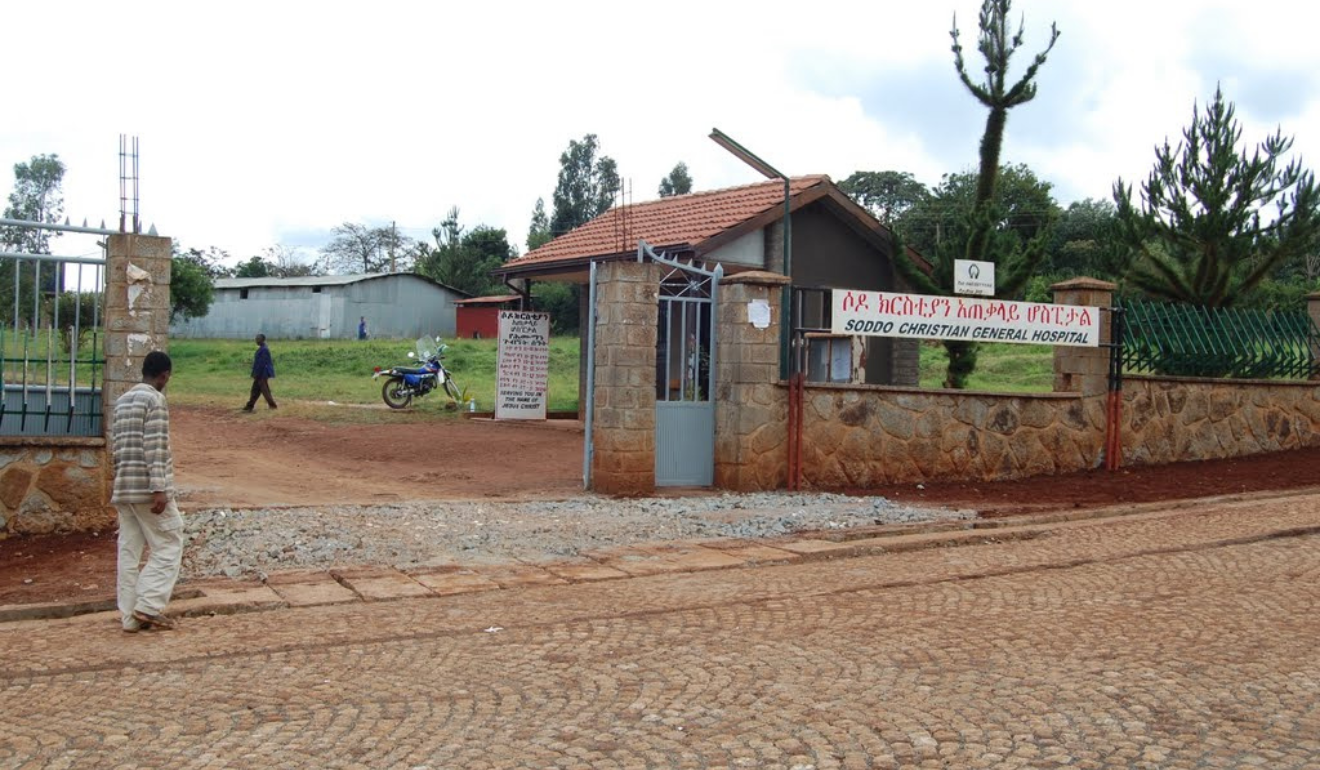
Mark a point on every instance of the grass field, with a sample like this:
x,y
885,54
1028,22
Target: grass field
x,y
217,373
1000,367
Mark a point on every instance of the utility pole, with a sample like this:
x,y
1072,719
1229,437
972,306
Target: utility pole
x,y
394,238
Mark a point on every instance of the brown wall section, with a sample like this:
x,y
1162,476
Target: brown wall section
x,y
64,484
623,428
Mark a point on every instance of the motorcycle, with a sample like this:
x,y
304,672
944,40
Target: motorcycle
x,y
402,383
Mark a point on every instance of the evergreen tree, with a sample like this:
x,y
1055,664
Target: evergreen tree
x,y
37,197
679,182
1014,265
538,233
464,260
586,188
1199,235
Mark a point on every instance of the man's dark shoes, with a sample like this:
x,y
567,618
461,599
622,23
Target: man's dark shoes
x,y
247,408
151,622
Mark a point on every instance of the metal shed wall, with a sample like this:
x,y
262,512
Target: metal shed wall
x,y
399,306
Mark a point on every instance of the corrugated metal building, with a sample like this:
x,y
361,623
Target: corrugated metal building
x,y
396,305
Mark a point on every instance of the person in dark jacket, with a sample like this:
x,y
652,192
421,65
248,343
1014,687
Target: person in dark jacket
x,y
263,371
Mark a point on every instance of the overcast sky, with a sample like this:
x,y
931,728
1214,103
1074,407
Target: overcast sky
x,y
265,123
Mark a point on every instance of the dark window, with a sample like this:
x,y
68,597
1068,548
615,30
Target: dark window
x,y
316,289
829,358
242,293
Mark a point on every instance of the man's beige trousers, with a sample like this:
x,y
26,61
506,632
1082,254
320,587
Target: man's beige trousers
x,y
148,588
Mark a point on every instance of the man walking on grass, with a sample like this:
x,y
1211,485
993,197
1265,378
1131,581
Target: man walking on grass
x,y
263,371
144,498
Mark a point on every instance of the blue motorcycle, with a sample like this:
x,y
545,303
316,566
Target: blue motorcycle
x,y
404,382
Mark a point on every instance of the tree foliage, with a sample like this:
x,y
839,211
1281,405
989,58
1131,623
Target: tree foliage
x,y
464,260
1023,210
37,196
984,239
1085,241
275,262
361,249
678,182
192,281
586,188
538,233
1202,233
888,195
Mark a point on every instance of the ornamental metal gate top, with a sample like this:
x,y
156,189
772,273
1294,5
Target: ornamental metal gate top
x,y
685,373
50,338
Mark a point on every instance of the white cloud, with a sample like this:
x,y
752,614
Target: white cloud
x,y
263,121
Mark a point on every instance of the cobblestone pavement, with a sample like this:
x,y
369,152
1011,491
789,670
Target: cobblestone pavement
x,y
1184,639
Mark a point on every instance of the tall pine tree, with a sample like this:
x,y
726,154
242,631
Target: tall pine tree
x,y
1199,235
1014,262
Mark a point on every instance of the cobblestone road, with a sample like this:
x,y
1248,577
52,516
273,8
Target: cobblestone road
x,y
1178,640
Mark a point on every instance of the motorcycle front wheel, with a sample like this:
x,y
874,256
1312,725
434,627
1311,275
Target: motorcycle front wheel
x,y
452,390
394,394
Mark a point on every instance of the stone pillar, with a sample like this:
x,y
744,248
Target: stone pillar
x,y
137,310
750,407
1083,370
1313,310
623,422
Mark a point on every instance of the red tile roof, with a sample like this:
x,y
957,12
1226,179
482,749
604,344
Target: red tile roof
x,y
683,220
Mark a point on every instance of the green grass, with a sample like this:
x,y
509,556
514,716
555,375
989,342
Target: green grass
x,y
1000,367
218,373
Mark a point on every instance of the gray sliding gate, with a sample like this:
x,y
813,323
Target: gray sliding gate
x,y
685,374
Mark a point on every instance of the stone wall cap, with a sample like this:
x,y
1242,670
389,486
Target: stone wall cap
x,y
757,278
1313,296
7,442
1083,283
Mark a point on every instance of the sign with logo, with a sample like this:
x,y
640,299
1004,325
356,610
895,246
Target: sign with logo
x,y
522,367
973,277
918,316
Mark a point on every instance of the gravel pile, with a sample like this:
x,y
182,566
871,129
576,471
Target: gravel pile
x,y
251,543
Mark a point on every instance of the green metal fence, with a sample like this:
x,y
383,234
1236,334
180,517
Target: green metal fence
x,y
1191,341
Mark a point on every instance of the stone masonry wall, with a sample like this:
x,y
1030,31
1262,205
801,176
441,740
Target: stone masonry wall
x,y
1173,419
859,436
750,412
623,422
54,485
64,484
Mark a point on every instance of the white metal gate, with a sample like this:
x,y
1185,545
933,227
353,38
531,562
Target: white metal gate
x,y
685,374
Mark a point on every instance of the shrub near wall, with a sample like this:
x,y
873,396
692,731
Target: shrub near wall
x,y
860,436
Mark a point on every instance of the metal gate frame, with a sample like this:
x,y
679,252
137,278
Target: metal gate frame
x,y
685,424
47,400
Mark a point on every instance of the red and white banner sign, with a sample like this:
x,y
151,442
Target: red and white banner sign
x,y
919,316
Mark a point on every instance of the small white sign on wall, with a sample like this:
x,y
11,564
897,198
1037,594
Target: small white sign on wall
x,y
758,313
974,277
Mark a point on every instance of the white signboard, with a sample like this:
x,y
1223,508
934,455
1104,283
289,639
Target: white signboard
x,y
882,314
973,277
523,365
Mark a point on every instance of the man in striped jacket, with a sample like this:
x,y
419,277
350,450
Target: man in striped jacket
x,y
144,498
